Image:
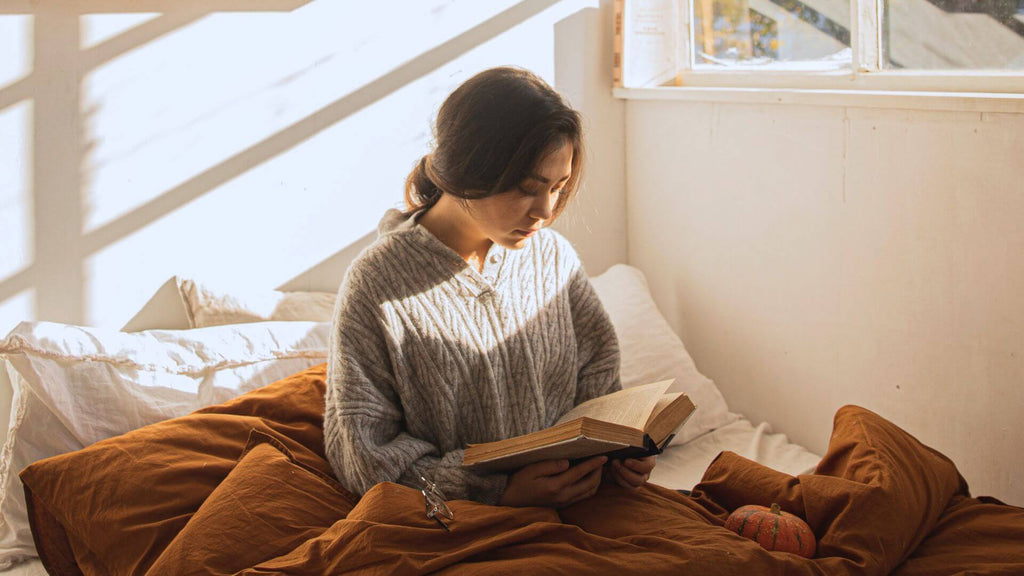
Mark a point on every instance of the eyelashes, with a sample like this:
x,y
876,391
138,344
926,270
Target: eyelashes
x,y
530,192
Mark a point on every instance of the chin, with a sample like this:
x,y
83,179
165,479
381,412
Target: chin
x,y
516,240
515,243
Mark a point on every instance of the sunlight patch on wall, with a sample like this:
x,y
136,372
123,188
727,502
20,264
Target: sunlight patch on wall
x,y
245,163
273,222
15,200
186,102
18,308
16,46
98,28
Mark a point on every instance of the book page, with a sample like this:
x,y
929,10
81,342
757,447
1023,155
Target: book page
x,y
669,415
662,403
629,406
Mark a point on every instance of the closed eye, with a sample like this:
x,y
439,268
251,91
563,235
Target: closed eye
x,y
543,180
533,192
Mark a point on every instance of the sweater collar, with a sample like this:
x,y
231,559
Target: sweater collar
x,y
478,283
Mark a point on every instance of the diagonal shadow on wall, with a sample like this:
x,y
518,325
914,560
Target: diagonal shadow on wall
x,y
57,193
312,125
53,89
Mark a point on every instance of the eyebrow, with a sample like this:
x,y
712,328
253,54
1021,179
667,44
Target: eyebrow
x,y
545,180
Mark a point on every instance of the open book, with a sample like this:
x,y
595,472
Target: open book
x,y
631,423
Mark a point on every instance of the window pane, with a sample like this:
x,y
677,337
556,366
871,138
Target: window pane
x,y
953,34
778,34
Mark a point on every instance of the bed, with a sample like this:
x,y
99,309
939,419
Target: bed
x,y
201,423
680,467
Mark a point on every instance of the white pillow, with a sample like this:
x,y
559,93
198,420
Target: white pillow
x,y
651,351
74,386
208,305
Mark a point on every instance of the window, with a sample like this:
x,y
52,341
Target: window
x,y
916,45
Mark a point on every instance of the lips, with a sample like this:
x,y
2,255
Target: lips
x,y
528,232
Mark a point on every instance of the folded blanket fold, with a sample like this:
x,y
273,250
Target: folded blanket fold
x,y
877,494
879,502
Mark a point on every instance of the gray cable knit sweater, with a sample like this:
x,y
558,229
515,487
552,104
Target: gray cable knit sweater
x,y
429,355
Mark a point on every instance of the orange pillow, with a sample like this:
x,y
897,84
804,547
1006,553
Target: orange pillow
x,y
116,505
267,505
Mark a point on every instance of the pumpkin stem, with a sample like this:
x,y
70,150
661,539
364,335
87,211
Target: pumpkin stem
x,y
776,509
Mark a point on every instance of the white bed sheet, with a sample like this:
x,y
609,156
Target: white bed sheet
x,y
681,467
29,568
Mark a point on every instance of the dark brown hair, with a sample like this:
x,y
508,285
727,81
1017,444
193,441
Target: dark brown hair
x,y
491,132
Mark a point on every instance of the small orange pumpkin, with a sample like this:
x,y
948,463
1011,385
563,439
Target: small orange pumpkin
x,y
773,529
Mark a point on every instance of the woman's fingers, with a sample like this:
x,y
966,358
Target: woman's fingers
x,y
621,481
640,465
584,488
626,475
546,468
554,483
574,475
566,485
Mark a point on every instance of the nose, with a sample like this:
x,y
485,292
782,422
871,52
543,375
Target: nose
x,y
543,206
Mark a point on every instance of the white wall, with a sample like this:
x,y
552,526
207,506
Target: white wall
x,y
812,257
253,141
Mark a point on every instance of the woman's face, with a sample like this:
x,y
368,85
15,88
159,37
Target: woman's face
x,y
510,217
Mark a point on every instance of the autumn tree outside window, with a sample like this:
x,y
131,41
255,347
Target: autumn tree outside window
x,y
938,45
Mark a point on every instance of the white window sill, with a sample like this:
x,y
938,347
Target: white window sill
x,y
953,101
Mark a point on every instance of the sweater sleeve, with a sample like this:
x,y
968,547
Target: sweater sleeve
x,y
456,482
597,345
365,438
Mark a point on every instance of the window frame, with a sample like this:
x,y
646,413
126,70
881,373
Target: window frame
x,y
864,75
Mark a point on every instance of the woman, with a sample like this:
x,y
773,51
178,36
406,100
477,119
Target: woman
x,y
468,320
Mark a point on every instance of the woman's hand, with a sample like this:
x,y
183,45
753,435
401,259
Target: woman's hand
x,y
553,483
631,472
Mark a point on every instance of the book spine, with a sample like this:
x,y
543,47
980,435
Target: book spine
x,y
649,449
618,38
